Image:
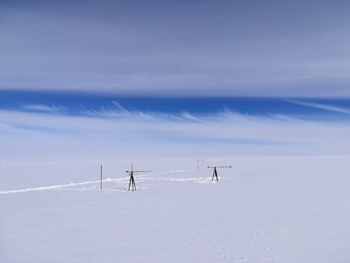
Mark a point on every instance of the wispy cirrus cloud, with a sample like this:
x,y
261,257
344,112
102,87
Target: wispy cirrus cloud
x,y
42,108
320,106
116,111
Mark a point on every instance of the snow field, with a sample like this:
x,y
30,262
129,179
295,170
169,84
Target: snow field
x,y
276,209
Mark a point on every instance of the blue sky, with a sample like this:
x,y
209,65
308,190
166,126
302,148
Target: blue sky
x,y
77,104
103,79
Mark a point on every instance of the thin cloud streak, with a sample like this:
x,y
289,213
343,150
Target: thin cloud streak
x,y
119,112
43,108
320,106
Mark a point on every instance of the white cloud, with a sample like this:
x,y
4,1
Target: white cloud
x,y
320,106
42,108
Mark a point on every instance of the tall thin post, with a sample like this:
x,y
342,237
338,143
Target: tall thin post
x,y
198,160
101,176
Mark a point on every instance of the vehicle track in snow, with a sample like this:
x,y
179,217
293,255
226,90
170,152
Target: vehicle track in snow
x,y
94,184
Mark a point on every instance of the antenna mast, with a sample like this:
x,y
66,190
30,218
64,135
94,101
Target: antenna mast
x,y
132,180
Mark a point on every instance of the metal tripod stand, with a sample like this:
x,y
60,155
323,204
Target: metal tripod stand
x,y
132,180
215,173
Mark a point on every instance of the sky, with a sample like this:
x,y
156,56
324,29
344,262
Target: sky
x,y
123,79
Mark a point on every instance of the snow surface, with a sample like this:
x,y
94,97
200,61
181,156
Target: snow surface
x,y
276,209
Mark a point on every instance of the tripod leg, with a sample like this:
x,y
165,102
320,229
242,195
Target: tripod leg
x,y
129,183
216,175
133,181
213,176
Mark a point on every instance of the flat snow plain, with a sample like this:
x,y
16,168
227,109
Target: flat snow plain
x,y
264,209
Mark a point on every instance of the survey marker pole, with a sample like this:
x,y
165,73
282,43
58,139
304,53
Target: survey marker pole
x,y
198,160
215,173
101,176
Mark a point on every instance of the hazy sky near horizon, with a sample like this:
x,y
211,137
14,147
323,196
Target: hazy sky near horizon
x,y
177,48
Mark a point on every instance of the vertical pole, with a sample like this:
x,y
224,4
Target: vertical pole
x,y
198,160
101,176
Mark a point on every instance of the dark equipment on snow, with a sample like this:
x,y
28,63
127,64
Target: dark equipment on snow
x,y
132,181
215,173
